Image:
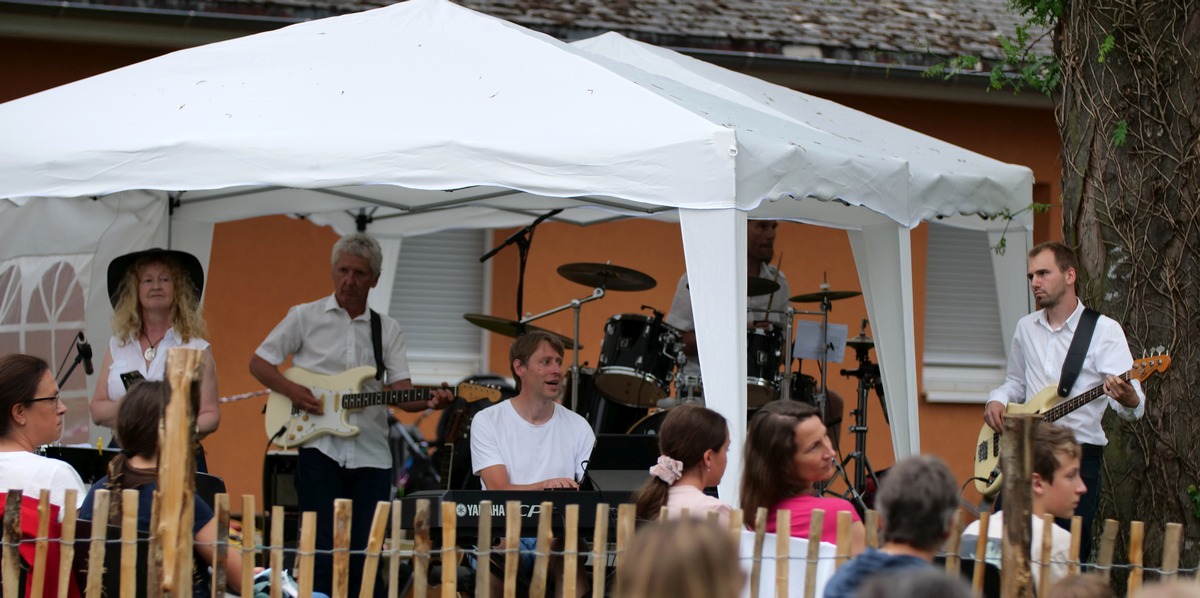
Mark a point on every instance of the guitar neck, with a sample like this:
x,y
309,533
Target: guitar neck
x,y
359,400
1062,409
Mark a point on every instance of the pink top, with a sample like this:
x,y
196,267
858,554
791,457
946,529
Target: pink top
x,y
697,503
802,507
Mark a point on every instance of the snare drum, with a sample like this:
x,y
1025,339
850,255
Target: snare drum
x,y
637,359
764,354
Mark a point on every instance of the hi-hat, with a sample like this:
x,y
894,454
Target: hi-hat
x,y
607,276
860,342
756,286
821,296
514,328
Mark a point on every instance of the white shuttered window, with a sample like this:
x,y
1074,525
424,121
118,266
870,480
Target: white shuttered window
x,y
438,279
964,346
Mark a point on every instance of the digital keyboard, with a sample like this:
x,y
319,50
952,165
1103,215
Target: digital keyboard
x,y
467,502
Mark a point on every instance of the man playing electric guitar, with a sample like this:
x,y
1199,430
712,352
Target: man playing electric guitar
x,y
330,336
1035,361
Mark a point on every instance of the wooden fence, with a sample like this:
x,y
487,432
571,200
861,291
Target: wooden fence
x,y
389,546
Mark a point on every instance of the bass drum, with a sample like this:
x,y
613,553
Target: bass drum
x,y
649,424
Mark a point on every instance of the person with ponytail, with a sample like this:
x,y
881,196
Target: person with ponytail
x,y
694,444
136,468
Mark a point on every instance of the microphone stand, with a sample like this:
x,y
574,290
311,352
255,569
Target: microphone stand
x,y
62,380
522,238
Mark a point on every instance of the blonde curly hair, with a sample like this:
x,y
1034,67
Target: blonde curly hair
x,y
185,317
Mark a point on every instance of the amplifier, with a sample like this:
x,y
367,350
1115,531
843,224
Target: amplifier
x,y
279,481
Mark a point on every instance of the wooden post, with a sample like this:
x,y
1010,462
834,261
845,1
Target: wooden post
x,y
249,542
154,552
815,529
843,539
1170,562
1108,541
421,546
41,545
342,512
760,530
12,543
220,551
980,553
483,557
370,570
600,549
95,576
176,472
871,523
783,550
541,561
275,552
449,557
129,538
1137,532
1073,559
626,515
571,552
67,551
308,549
1044,554
953,560
512,545
736,523
1016,456
394,553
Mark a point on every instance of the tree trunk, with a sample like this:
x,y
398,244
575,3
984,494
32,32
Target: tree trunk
x,y
1131,208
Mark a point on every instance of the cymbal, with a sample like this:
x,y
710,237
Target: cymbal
x,y
607,276
860,341
514,328
823,295
756,286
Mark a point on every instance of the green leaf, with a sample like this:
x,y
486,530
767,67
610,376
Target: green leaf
x,y
1120,132
1106,46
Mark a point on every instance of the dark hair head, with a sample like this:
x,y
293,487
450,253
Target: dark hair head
x,y
925,582
681,557
687,433
767,475
138,418
917,500
1063,256
20,376
1050,443
527,344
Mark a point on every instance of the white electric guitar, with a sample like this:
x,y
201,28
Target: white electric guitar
x,y
340,395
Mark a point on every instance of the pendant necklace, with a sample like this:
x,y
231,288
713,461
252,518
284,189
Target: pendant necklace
x,y
152,350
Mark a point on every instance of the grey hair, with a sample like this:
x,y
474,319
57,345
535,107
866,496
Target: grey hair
x,y
917,500
362,245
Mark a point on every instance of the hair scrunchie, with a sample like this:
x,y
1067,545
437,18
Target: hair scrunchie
x,y
667,469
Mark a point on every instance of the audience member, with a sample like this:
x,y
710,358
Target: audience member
x,y
682,557
1081,586
919,583
693,443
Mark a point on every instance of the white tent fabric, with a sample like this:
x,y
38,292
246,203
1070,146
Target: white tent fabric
x,y
428,116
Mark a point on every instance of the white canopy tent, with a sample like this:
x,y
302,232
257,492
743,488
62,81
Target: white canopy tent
x,y
432,116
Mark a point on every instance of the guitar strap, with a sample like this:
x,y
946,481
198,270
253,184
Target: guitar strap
x,y
1077,351
377,343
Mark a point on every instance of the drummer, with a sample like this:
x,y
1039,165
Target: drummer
x,y
762,311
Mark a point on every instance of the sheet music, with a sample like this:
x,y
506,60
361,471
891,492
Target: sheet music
x,y
809,338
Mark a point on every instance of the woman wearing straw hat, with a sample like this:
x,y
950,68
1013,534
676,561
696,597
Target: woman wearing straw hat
x,y
155,295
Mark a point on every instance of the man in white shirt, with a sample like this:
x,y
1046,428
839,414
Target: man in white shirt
x,y
1057,487
329,336
1035,362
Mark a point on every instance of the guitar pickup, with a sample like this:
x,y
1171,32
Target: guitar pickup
x,y
996,445
982,452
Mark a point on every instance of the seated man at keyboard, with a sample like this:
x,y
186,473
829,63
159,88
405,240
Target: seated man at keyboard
x,y
531,442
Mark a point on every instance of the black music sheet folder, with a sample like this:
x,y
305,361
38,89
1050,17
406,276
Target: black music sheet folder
x,y
620,462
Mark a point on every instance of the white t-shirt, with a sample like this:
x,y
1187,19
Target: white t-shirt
x,y
1060,546
30,473
558,448
128,358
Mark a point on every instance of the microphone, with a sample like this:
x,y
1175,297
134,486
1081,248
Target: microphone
x,y
85,353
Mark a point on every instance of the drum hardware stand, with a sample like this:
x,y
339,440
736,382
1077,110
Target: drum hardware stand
x,y
575,305
868,378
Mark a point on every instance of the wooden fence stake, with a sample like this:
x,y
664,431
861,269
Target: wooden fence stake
x,y
176,469
370,572
95,576
342,512
760,529
843,539
308,549
783,550
980,554
571,552
41,544
872,528
275,552
449,557
1108,541
129,538
1044,554
512,545
1076,538
249,542
483,557
626,515
421,546
600,549
67,549
219,573
815,530
12,542
953,559
1016,460
1170,561
736,524
1137,532
394,553
541,561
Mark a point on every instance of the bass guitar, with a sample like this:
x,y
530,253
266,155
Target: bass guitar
x,y
1047,403
340,395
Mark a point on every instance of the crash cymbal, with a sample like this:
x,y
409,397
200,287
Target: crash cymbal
x,y
513,328
860,341
823,295
756,286
607,276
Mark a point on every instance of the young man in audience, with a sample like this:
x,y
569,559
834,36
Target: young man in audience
x,y
1057,488
916,501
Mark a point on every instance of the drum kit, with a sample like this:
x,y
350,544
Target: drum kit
x,y
641,359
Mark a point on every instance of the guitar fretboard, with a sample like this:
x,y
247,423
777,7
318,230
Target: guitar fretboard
x,y
359,400
1062,409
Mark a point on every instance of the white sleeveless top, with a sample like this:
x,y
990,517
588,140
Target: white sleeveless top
x,y
129,359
